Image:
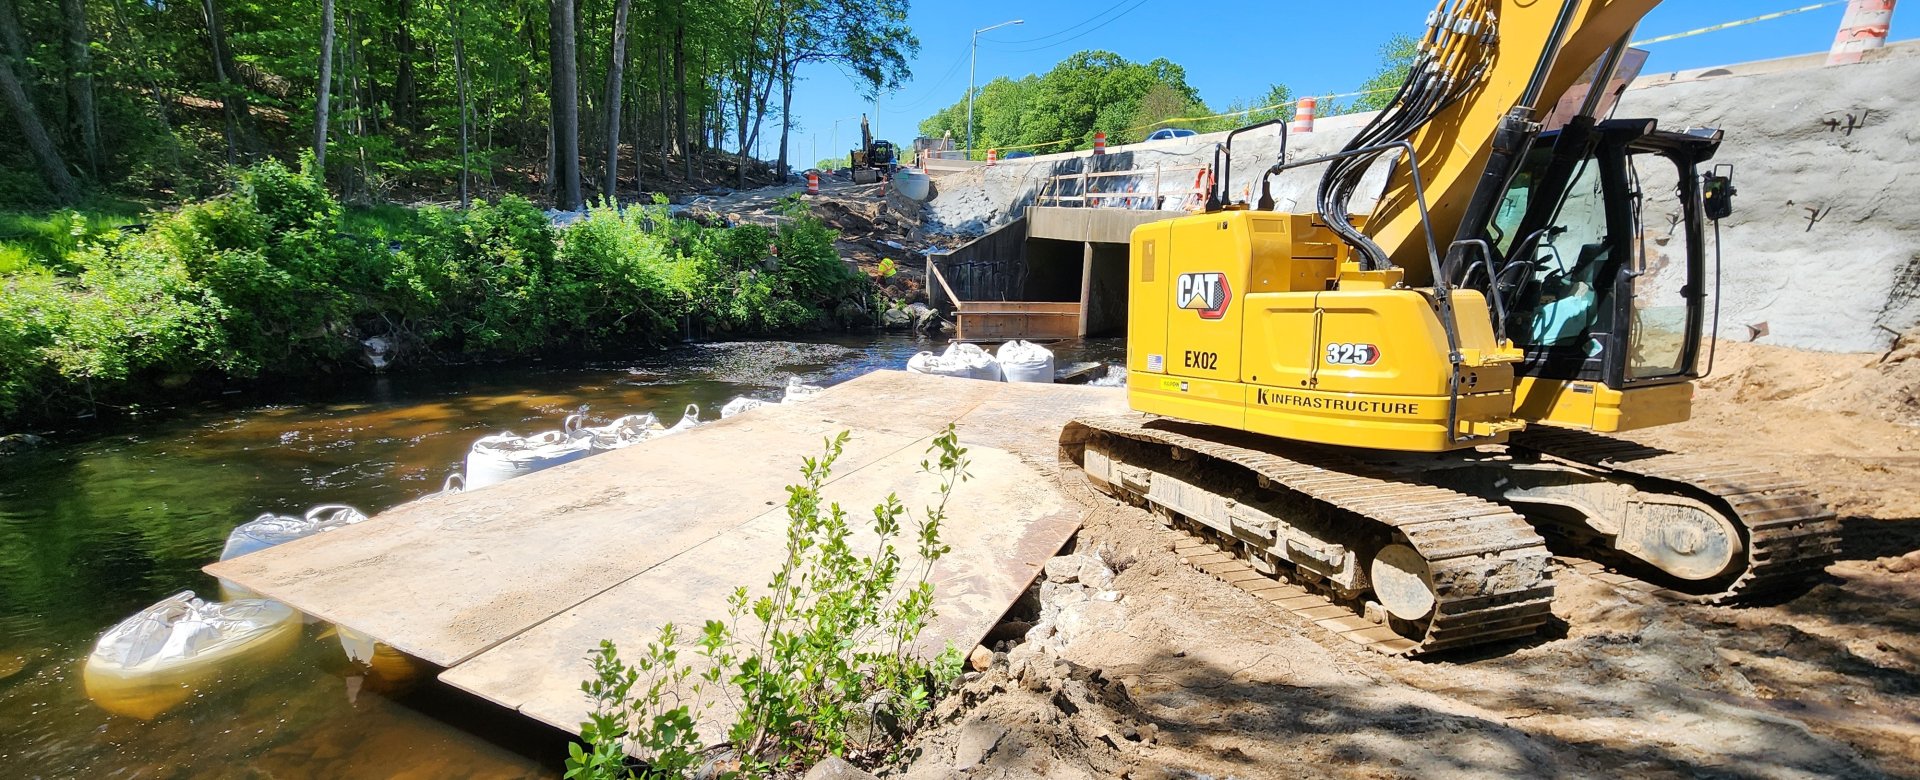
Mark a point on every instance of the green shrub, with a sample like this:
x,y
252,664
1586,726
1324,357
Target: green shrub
x,y
813,664
274,278
479,276
32,312
611,283
133,310
270,252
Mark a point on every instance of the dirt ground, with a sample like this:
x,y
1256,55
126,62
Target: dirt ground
x,y
874,226
1146,668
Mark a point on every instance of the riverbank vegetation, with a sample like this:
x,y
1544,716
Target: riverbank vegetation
x,y
273,278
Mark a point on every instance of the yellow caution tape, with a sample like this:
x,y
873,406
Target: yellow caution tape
x,y
1719,27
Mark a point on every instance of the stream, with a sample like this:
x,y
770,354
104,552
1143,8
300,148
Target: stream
x,y
101,525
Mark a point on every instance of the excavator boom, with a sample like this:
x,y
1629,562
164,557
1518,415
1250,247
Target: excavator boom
x,y
1510,61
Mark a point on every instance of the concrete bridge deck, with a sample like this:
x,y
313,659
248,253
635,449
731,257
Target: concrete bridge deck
x,y
508,588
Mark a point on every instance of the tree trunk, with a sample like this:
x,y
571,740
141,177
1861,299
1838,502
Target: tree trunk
x,y
325,89
666,108
11,37
460,87
680,91
566,106
52,168
639,171
403,79
786,118
743,96
616,75
80,81
233,98
766,85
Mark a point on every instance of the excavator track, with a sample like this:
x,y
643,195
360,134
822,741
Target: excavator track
x,y
1790,536
1487,568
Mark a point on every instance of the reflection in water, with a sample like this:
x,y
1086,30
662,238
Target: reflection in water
x,y
93,531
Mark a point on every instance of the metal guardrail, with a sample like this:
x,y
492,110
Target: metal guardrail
x,y
1121,189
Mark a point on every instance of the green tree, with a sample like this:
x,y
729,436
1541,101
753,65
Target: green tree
x,y
1088,92
1396,58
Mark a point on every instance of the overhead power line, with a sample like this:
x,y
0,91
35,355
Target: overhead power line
x,y
1123,11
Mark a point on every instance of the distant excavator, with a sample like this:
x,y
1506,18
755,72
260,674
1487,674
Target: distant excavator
x,y
1388,410
874,160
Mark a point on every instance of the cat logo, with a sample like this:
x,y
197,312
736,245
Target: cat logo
x,y
1206,293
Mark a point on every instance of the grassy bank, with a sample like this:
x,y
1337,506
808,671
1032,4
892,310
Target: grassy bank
x,y
275,279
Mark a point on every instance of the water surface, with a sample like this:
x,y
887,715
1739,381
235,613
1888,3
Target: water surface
x,y
101,526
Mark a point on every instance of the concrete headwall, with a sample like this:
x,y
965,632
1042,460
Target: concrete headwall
x,y
1823,249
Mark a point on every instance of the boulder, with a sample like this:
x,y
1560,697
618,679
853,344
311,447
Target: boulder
x,y
837,768
14,444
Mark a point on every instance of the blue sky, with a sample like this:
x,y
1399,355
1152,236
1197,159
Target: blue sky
x,y
1229,49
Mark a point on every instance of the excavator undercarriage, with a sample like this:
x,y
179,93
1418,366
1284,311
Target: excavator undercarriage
x,y
1411,556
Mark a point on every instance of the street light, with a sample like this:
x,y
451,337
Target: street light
x,y
973,61
836,131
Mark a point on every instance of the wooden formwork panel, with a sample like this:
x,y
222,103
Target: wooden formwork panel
x,y
1007,320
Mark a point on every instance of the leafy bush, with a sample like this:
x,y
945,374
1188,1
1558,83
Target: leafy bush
x,y
825,650
32,312
271,253
611,279
274,277
133,310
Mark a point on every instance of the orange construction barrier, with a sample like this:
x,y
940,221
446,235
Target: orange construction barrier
x,y
1303,118
993,156
813,183
1099,143
1862,29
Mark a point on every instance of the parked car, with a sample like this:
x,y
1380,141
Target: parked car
x,y
1018,155
1170,133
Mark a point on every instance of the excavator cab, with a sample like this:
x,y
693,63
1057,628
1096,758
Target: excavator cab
x,y
1603,277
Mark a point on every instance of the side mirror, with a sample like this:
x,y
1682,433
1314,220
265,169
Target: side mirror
x,y
1717,191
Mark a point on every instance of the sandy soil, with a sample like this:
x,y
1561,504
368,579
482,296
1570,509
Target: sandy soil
x,y
1146,668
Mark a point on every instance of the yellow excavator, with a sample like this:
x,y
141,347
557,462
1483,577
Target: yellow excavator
x,y
1373,419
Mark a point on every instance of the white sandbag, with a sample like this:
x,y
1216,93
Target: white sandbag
x,y
623,432
688,419
798,391
740,404
926,363
1025,361
164,654
270,529
503,456
968,361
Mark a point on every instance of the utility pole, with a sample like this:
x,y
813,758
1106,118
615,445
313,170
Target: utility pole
x,y
972,63
836,133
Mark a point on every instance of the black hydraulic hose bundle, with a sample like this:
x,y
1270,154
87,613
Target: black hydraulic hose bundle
x,y
1445,68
